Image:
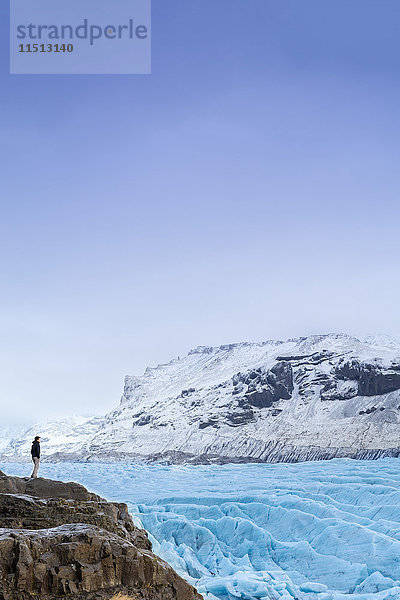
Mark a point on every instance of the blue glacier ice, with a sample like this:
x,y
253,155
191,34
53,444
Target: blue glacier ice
x,y
326,530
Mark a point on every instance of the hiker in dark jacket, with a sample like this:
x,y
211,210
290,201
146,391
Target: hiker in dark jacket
x,y
35,451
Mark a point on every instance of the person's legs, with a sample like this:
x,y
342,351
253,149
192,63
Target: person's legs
x,y
36,462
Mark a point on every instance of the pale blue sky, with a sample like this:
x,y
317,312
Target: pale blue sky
x,y
248,189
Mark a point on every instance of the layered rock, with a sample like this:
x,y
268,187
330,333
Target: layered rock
x,y
79,547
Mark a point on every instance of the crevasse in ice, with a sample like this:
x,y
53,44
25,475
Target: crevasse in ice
x,y
326,530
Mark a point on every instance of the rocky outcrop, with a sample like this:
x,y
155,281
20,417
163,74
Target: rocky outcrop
x,y
352,378
25,512
76,545
263,387
45,488
372,378
254,389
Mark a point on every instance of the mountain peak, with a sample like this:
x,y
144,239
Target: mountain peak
x,y
310,397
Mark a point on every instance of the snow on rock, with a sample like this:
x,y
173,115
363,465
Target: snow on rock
x,y
316,397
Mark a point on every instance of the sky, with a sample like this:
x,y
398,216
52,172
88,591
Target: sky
x,y
248,189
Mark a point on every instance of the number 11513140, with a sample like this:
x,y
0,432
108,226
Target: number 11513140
x,y
46,48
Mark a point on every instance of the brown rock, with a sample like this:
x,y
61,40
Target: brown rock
x,y
25,512
79,547
44,488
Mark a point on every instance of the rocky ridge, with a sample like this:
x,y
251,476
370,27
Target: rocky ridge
x,y
57,540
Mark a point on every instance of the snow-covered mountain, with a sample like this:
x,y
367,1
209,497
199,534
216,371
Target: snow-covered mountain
x,y
67,435
8,433
302,399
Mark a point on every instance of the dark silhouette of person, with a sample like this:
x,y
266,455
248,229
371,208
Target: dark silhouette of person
x,y
35,451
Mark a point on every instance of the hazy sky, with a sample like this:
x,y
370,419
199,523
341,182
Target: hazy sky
x,y
248,189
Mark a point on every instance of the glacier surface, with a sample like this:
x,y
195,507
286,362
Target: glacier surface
x,y
327,530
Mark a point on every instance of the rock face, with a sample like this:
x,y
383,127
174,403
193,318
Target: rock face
x,y
79,547
261,388
372,379
316,397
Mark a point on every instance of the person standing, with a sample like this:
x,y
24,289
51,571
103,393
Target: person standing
x,y
35,451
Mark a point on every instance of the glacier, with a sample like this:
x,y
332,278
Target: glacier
x,y
326,530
